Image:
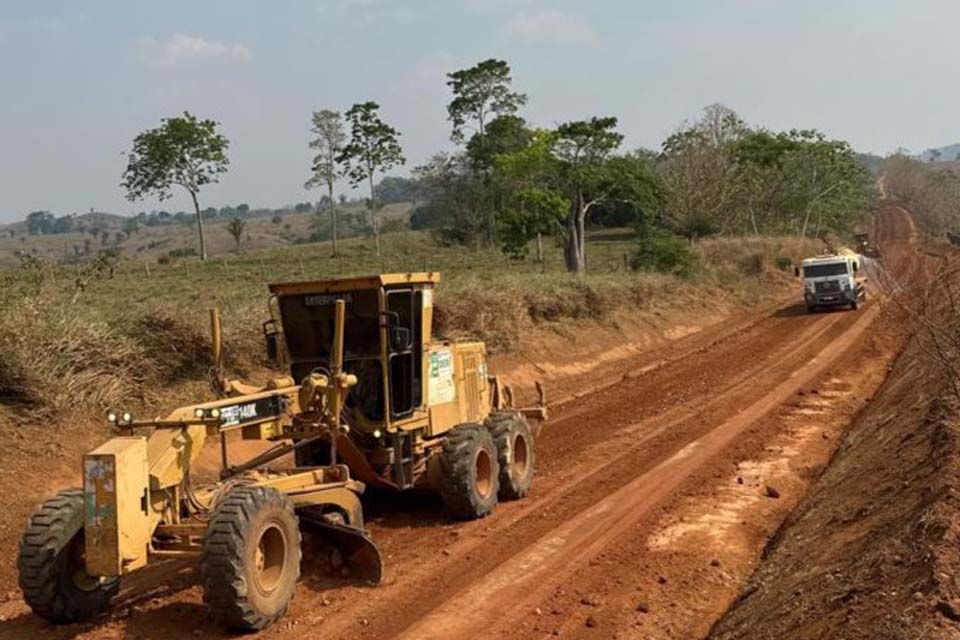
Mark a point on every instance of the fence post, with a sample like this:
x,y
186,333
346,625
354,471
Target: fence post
x,y
146,267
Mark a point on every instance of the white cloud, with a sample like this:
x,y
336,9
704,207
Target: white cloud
x,y
183,48
548,27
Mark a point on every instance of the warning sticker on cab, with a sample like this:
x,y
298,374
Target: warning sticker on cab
x,y
441,387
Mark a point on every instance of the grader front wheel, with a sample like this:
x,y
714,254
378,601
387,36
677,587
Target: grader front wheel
x,y
470,472
251,558
53,573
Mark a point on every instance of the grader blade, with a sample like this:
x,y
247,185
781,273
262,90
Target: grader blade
x,y
360,554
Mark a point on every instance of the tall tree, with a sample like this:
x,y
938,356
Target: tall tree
x,y
236,228
328,142
182,151
479,93
583,147
700,174
373,147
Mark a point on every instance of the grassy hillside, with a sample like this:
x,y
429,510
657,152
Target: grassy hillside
x,y
122,338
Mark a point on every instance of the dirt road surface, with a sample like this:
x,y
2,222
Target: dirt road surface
x,y
654,499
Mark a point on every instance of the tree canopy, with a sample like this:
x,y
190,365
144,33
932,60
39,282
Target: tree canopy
x,y
182,151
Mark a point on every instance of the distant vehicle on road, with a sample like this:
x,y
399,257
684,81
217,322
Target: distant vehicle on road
x,y
865,245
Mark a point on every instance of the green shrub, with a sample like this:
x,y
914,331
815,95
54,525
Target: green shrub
x,y
665,253
784,263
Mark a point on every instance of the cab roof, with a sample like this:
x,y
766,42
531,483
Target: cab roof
x,y
354,283
828,258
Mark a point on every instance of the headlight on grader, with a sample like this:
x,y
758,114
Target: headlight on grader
x,y
112,417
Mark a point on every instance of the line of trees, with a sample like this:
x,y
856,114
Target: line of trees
x,y
509,183
512,183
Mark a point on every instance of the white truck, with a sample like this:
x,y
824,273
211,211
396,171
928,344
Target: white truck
x,y
832,280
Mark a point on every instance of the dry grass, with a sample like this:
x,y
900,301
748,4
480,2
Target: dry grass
x,y
56,356
127,337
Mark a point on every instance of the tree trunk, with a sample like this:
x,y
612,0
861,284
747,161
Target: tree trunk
x,y
581,233
333,217
573,250
203,242
539,247
374,218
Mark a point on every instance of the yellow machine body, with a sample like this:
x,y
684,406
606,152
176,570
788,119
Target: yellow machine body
x,y
411,388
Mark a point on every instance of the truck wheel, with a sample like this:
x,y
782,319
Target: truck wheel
x,y
52,564
854,304
250,560
515,454
470,472
811,308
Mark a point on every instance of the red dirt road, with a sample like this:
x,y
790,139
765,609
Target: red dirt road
x,y
653,501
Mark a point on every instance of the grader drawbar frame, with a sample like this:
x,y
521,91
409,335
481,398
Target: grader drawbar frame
x,y
140,501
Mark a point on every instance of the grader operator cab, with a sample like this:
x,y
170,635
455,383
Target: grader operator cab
x,y
378,402
424,413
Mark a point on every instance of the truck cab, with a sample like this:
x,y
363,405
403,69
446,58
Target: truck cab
x,y
832,281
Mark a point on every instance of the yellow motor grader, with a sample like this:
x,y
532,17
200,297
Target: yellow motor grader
x,y
378,402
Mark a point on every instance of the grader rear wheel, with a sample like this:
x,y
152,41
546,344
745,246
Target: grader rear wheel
x,y
515,454
470,472
53,573
251,558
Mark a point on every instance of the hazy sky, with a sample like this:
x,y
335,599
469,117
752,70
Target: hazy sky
x,y
81,79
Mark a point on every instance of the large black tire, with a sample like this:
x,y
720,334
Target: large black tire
x,y
52,567
854,304
515,453
470,472
250,561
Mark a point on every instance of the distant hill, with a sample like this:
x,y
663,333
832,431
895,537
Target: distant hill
x,y
948,153
103,231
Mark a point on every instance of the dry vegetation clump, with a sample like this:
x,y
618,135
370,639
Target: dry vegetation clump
x,y
56,356
177,350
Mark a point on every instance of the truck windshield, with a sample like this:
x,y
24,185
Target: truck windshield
x,y
821,270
